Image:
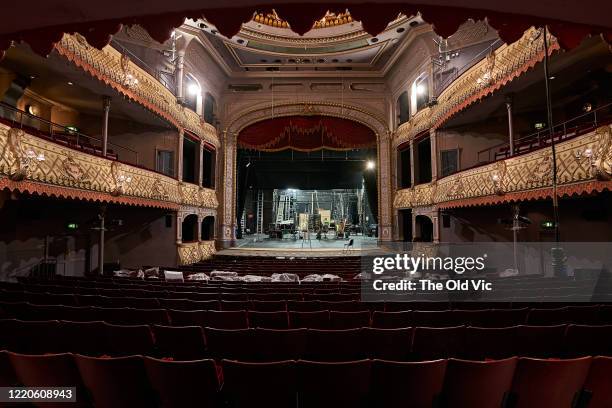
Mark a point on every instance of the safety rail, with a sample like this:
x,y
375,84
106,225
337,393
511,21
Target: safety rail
x,y
156,73
576,126
65,135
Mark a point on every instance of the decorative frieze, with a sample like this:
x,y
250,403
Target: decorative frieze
x,y
583,159
193,252
496,70
117,71
27,158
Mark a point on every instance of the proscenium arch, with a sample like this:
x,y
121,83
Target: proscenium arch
x,y
374,121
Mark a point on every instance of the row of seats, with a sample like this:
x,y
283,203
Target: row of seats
x,y
137,381
349,315
150,299
193,342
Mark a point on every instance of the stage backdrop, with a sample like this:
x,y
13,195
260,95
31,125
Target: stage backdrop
x,y
306,133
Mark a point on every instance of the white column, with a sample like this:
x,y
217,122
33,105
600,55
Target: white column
x,y
201,161
179,151
510,125
106,103
180,68
434,154
228,224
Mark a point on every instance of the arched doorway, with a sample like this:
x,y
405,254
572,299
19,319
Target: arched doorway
x,y
308,142
189,228
208,228
424,228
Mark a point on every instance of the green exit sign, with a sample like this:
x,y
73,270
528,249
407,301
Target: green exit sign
x,y
72,225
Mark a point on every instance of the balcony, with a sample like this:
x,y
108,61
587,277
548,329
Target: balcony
x,y
569,129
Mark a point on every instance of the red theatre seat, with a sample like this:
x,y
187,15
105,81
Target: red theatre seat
x,y
271,384
407,384
180,343
478,384
548,383
598,382
349,381
276,345
50,370
183,383
268,320
309,320
116,382
335,345
349,320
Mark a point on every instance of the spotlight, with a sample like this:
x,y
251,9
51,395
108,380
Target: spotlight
x,y
70,83
193,89
370,165
420,89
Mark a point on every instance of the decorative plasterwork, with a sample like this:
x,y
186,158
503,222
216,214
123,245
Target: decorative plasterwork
x,y
502,66
370,119
331,19
522,177
39,166
117,71
194,252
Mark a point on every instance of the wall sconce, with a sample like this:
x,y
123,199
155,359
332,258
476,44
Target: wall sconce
x,y
130,81
497,183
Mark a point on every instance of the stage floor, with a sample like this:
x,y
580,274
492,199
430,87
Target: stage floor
x,y
262,246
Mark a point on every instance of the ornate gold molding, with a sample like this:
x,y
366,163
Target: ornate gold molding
x,y
496,70
583,159
117,71
24,157
193,252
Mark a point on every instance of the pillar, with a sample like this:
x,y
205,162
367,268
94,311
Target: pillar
x,y
434,153
201,161
412,168
510,125
102,217
179,229
435,219
180,68
385,220
179,151
228,223
106,103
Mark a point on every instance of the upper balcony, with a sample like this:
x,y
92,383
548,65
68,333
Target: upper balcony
x,y
492,72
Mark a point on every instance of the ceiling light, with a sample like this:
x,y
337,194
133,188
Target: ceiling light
x,y
70,83
32,76
370,165
552,77
193,89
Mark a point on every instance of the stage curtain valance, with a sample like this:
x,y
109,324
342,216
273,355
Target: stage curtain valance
x,y
306,133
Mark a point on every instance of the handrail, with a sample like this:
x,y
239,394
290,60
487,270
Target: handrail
x,y
64,135
156,73
459,71
541,137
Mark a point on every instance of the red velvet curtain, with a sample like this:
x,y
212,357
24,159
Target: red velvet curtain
x,y
306,133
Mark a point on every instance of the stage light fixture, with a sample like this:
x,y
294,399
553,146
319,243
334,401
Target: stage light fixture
x,y
370,165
